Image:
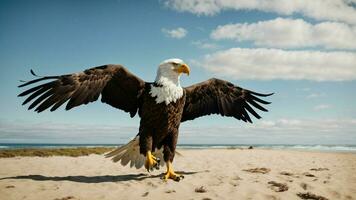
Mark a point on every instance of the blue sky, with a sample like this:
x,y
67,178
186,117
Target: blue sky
x,y
307,57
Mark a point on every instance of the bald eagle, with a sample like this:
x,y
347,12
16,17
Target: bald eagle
x,y
162,105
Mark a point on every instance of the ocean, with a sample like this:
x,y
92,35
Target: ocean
x,y
327,148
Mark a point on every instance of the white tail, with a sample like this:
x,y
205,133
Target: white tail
x,y
130,153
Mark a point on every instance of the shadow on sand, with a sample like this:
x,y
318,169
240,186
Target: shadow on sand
x,y
93,179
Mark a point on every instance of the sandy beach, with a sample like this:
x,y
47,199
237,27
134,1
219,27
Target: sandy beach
x,y
209,174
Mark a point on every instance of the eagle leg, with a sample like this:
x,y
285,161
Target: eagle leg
x,y
170,174
151,161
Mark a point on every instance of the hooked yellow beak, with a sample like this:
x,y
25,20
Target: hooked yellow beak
x,y
184,68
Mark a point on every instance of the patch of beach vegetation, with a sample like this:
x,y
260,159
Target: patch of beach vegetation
x,y
72,152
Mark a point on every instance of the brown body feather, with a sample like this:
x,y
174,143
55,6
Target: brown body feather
x,y
159,123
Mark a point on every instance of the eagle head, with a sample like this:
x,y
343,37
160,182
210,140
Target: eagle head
x,y
172,69
168,73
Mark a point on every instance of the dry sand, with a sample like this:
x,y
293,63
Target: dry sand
x,y
209,174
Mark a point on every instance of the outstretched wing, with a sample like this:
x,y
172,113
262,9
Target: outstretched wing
x,y
216,96
118,87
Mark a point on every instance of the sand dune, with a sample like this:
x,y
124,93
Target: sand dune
x,y
209,174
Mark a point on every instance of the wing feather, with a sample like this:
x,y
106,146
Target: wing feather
x,y
250,110
48,102
34,89
41,98
216,96
259,100
117,86
256,105
60,102
35,94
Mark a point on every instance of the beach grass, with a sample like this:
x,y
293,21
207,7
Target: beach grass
x,y
42,152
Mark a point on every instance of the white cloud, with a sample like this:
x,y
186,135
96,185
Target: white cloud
x,y
177,33
290,33
309,125
334,10
284,130
269,64
25,132
204,45
322,107
314,95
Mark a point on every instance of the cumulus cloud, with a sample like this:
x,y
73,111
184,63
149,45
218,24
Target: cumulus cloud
x,y
334,10
177,33
269,64
290,33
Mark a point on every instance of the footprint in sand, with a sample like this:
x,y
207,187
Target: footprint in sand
x,y
261,170
152,184
311,196
201,189
348,197
65,198
284,173
235,181
278,187
145,194
319,169
307,174
305,186
170,191
232,183
236,178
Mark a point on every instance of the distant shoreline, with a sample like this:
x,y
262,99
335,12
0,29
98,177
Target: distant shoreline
x,y
299,147
74,151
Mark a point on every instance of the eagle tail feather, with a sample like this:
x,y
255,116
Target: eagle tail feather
x,y
130,153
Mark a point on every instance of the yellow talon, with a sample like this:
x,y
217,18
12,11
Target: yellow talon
x,y
151,161
170,174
